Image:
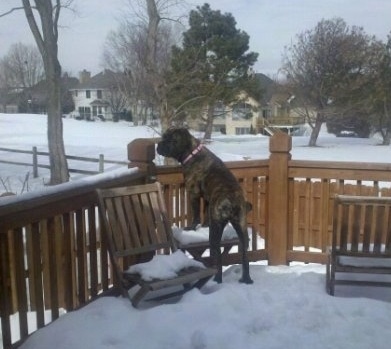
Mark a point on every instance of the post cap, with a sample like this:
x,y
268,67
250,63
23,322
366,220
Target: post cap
x,y
141,150
280,142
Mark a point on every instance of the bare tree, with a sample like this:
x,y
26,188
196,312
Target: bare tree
x,y
326,67
43,22
22,66
141,47
124,53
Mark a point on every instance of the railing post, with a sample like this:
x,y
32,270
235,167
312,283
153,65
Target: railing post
x,y
280,146
101,163
35,162
141,153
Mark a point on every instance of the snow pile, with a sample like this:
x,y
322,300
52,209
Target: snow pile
x,y
201,234
163,267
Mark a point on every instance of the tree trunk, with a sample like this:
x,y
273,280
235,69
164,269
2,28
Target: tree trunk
x,y
165,121
387,135
315,131
156,78
209,122
387,138
47,45
59,172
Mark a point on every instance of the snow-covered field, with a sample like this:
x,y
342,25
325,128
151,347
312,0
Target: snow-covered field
x,y
89,139
286,307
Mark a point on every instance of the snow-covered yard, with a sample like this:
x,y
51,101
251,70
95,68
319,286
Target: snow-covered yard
x,y
286,307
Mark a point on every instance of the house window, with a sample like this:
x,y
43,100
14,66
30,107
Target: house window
x,y
266,113
85,113
241,111
75,92
99,94
219,110
88,94
242,130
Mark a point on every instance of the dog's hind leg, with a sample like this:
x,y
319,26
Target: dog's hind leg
x,y
243,246
215,233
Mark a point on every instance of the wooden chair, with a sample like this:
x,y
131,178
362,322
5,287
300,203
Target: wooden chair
x,y
137,228
361,243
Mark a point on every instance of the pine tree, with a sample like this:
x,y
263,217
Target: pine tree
x,y
212,65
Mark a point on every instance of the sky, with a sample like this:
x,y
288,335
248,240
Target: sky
x,y
271,25
286,307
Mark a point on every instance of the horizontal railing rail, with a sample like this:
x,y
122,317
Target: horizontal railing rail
x,y
35,164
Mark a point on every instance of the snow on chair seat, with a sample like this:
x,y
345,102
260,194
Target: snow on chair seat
x,y
196,242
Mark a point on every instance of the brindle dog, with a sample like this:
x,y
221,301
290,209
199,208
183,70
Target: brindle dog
x,y
207,177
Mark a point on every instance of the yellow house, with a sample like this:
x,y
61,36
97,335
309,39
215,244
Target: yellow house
x,y
275,110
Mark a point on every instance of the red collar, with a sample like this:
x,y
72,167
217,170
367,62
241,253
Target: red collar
x,y
194,152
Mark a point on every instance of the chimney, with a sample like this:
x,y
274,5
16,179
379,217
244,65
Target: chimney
x,y
84,76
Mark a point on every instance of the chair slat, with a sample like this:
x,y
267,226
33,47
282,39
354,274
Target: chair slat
x,y
149,218
122,224
369,216
132,225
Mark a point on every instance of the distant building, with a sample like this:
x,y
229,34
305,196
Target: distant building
x,y
98,96
275,110
34,99
8,104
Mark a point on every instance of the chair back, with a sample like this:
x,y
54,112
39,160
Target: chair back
x,y
135,219
362,224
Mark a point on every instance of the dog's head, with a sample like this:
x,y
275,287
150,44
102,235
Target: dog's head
x,y
176,143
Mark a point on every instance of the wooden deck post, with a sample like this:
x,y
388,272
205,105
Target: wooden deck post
x,y
141,153
279,146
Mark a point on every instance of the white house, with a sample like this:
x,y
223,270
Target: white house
x,y
98,96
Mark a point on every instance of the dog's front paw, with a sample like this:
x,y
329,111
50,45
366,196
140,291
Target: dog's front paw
x,y
246,280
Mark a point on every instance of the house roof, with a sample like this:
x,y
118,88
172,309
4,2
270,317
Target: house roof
x,y
268,86
99,103
103,80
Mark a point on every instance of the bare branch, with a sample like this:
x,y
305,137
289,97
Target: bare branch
x,y
57,9
33,25
10,11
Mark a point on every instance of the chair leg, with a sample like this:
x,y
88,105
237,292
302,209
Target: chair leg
x,y
328,275
331,276
138,296
201,282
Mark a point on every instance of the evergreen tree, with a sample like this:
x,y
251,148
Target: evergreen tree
x,y
212,65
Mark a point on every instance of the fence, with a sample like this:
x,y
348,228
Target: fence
x,y
35,164
52,257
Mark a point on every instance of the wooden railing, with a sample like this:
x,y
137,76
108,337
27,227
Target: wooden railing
x,y
252,176
52,258
311,189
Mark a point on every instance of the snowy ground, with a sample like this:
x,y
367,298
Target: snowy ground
x,y
93,138
286,307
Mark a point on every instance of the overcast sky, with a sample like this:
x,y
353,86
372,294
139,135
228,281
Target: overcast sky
x,y
271,25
